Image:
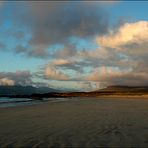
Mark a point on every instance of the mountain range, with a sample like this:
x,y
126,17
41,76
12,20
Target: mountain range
x,y
123,89
41,92
24,90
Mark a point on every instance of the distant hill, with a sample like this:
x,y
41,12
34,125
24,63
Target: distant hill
x,y
45,92
24,90
136,89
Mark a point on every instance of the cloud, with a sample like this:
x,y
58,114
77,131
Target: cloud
x,y
61,62
6,82
52,24
125,56
62,70
48,24
2,46
120,59
20,49
52,73
98,53
18,77
60,32
19,34
38,51
129,33
117,77
68,51
67,64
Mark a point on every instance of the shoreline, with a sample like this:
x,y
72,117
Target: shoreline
x,y
63,99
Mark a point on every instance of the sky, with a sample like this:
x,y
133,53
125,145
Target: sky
x,y
81,45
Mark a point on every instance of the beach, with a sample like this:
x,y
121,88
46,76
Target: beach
x,y
77,122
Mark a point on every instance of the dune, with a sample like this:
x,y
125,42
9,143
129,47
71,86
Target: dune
x,y
79,122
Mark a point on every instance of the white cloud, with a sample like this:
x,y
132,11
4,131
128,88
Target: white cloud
x,y
19,77
6,81
59,62
55,74
102,74
126,34
117,77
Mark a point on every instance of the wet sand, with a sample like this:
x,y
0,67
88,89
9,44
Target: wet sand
x,y
101,122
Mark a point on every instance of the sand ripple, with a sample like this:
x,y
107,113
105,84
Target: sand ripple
x,y
77,123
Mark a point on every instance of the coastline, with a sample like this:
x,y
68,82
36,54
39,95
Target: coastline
x,y
31,102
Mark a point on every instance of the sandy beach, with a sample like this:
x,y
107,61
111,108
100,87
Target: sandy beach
x,y
77,122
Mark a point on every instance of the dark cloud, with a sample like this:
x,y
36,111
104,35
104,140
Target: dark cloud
x,y
19,35
69,65
38,51
2,46
55,22
20,49
50,23
68,51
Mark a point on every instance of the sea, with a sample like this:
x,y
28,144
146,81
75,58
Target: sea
x,y
12,102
